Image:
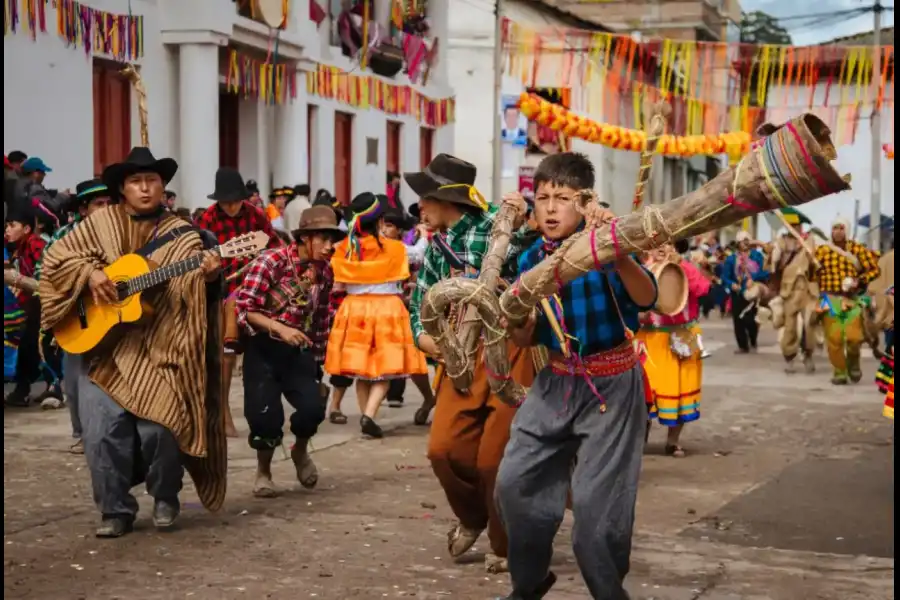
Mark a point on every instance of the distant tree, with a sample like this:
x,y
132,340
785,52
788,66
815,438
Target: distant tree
x,y
758,27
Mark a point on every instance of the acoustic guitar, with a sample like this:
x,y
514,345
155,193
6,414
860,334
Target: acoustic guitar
x,y
89,323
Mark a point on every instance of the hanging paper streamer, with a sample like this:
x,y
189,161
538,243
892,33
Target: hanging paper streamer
x,y
708,84
365,91
558,118
121,37
274,83
29,15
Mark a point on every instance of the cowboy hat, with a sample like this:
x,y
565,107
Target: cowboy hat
x,y
229,186
139,160
449,179
287,192
318,219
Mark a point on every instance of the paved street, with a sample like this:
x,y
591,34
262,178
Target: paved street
x,y
786,494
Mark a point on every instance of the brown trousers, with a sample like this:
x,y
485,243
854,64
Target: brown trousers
x,y
468,436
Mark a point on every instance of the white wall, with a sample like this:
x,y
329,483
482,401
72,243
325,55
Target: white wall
x,y
854,157
48,99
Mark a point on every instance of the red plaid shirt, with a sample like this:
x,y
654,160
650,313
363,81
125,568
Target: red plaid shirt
x,y
270,287
25,259
247,220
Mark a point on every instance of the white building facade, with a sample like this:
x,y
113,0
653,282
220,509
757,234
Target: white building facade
x,y
202,65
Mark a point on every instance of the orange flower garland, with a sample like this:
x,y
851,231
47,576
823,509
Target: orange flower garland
x,y
558,118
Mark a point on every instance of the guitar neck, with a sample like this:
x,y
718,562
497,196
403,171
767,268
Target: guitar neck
x,y
162,275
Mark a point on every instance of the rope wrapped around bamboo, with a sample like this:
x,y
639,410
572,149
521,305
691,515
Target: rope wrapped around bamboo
x,y
790,167
479,298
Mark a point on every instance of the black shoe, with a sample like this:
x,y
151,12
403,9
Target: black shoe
x,y
395,402
422,414
370,427
541,591
18,398
165,514
115,527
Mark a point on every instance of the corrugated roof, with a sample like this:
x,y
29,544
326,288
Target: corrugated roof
x,y
866,38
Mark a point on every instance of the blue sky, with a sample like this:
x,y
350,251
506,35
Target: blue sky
x,y
807,31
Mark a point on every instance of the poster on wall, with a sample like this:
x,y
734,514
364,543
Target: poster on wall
x,y
515,125
542,140
526,182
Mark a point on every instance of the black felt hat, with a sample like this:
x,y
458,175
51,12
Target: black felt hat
x,y
449,179
139,160
90,189
229,186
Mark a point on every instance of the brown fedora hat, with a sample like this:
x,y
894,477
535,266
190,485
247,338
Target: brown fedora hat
x,y
449,179
318,219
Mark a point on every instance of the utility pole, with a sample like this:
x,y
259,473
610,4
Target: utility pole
x,y
875,208
497,173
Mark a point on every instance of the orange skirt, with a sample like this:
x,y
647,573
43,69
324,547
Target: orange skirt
x,y
371,339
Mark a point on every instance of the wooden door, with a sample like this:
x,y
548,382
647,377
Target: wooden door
x,y
112,114
229,123
343,153
394,130
426,146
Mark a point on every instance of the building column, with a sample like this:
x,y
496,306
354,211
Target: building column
x,y
323,148
292,137
198,100
263,164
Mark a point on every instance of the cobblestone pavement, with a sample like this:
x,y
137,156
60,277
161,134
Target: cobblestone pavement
x,y
786,494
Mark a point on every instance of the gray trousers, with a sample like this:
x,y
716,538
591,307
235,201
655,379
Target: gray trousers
x,y
122,450
559,422
71,375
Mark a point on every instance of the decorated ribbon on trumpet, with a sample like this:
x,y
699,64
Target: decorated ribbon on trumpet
x,y
558,118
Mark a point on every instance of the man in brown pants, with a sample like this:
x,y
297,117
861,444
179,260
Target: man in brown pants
x,y
469,431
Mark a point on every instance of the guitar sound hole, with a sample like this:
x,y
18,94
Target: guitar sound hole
x,y
122,289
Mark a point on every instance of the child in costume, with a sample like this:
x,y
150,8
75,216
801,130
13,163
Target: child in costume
x,y
590,406
371,339
674,356
468,431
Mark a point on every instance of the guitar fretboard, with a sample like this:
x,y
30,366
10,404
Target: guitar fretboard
x,y
161,275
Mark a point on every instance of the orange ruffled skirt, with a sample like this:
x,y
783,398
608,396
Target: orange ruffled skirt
x,y
371,339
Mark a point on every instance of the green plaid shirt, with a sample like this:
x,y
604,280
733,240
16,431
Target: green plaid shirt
x,y
469,239
57,235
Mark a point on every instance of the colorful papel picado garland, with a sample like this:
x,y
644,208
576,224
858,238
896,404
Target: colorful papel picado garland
x,y
263,80
365,91
121,37
560,119
708,84
31,18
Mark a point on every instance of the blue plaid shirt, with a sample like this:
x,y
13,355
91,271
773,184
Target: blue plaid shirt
x,y
590,313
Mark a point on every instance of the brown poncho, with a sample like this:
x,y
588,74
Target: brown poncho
x,y
167,369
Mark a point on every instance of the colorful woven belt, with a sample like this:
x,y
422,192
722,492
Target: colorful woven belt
x,y
603,364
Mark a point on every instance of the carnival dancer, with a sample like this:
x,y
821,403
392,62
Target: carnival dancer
x,y
468,431
394,225
674,363
885,376
149,402
278,200
27,247
797,293
741,268
846,268
590,406
232,215
370,339
90,196
283,304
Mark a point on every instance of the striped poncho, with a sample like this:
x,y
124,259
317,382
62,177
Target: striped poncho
x,y
167,369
